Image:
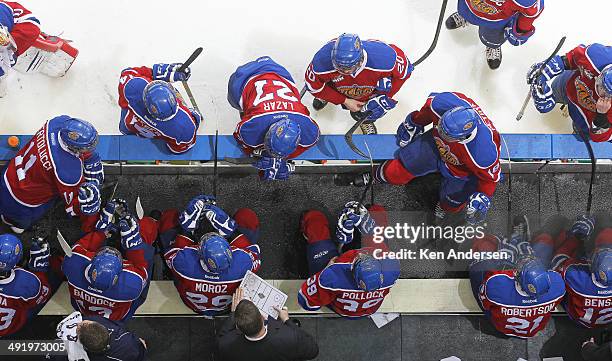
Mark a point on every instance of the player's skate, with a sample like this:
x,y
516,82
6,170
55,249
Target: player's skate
x,y
368,128
350,179
318,104
494,57
456,21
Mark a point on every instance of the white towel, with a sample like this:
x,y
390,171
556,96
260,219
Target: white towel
x,y
66,330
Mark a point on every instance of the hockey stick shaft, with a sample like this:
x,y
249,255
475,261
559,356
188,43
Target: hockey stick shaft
x,y
303,91
216,160
589,147
519,116
432,47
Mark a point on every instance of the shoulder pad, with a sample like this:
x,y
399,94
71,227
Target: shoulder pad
x,y
391,271
133,92
600,55
6,16
67,167
185,261
322,61
181,127
380,55
443,102
129,285
482,148
241,263
27,285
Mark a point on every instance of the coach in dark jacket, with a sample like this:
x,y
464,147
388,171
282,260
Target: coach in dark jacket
x,y
593,352
247,336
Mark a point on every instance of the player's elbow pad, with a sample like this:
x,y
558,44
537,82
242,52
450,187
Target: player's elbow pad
x,y
304,303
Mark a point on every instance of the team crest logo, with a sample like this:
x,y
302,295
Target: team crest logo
x,y
17,249
445,152
94,275
468,126
585,96
586,73
362,285
483,7
532,288
73,135
211,264
356,91
603,277
279,131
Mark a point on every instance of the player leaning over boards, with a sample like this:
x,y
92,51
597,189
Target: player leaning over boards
x,y
275,126
152,108
59,162
582,80
209,253
28,50
497,21
360,75
352,284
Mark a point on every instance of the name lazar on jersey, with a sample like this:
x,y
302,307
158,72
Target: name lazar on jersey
x,y
278,105
528,312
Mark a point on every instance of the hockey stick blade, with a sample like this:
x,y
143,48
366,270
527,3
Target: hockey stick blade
x,y
191,58
139,210
348,138
519,116
65,246
432,47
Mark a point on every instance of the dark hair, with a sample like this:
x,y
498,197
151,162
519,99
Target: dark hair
x,y
248,318
94,337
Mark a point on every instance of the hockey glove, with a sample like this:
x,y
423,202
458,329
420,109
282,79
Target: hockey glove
x,y
477,208
89,198
93,170
365,223
274,168
169,72
105,220
543,98
583,227
40,252
130,233
407,131
191,216
197,117
378,106
219,219
346,225
513,35
384,85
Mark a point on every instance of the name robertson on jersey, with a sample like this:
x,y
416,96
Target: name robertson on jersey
x,y
528,312
41,146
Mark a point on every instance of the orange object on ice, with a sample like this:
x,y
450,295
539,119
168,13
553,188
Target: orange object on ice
x,y
13,141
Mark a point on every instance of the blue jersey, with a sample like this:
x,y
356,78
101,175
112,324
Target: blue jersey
x,y
19,294
179,133
513,312
203,291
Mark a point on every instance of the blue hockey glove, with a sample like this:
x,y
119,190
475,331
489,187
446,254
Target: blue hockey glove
x,y
384,85
346,225
89,198
543,98
553,68
378,106
219,219
196,116
130,232
274,168
93,170
40,252
105,220
407,131
193,213
515,37
583,227
169,72
477,208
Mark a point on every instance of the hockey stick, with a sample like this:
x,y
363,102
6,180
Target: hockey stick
x,y
519,116
215,163
432,47
348,137
65,246
190,60
589,147
303,91
371,184
509,224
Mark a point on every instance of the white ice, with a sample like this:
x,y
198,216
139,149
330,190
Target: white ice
x,y
114,34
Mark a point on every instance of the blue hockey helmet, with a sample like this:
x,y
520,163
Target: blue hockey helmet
x,y
347,54
79,135
532,276
282,138
215,253
601,266
11,251
105,268
367,271
603,83
160,100
458,124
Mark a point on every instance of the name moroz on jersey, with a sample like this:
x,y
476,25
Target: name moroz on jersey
x,y
495,13
585,302
19,294
117,303
478,156
335,287
43,170
589,61
513,312
179,133
205,292
380,61
266,93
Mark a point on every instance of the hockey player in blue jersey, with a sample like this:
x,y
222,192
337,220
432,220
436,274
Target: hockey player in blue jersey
x,y
275,126
152,108
209,252
104,280
517,292
23,290
352,284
